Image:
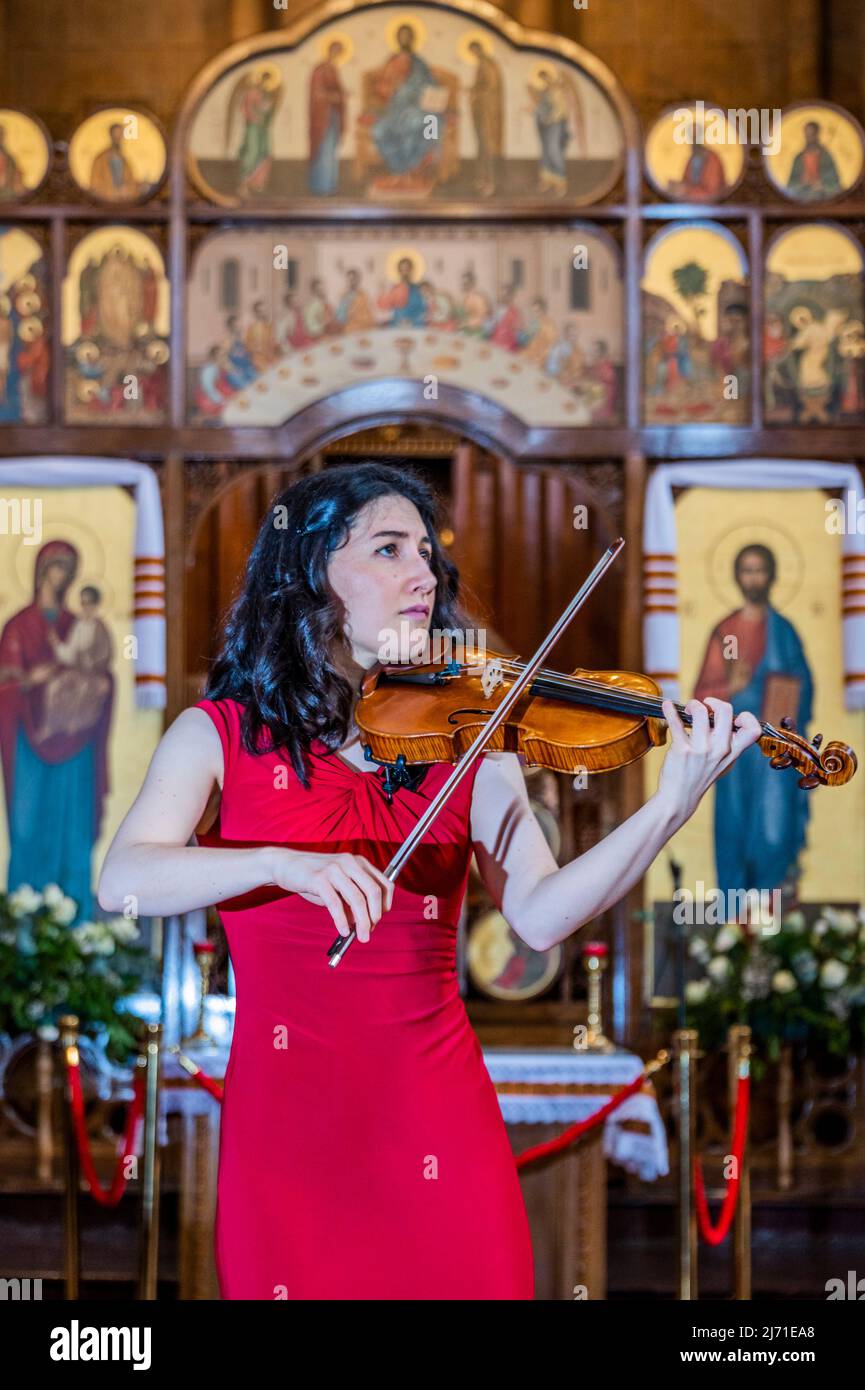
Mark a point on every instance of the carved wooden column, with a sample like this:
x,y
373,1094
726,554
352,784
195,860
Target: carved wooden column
x,y
629,944
174,516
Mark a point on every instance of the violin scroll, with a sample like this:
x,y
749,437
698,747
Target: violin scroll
x,y
831,766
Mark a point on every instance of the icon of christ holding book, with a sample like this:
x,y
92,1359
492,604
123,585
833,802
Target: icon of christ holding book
x,y
760,820
407,124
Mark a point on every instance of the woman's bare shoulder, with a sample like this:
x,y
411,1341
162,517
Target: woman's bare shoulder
x,y
193,741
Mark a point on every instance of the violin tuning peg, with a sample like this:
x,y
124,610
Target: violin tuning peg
x,y
781,760
817,740
785,722
809,781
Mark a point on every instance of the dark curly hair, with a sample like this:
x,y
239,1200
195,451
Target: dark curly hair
x,y
275,657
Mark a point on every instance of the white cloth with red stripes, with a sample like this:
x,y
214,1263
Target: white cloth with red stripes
x,y
661,647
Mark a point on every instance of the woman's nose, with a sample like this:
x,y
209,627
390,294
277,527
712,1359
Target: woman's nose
x,y
421,577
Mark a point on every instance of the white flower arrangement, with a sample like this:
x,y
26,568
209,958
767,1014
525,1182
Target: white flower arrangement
x,y
49,967
799,983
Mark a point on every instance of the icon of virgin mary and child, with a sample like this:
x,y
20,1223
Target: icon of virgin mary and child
x,y
56,701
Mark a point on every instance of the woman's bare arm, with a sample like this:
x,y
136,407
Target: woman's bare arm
x,y
151,869
150,862
544,903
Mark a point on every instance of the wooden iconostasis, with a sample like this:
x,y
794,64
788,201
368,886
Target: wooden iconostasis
x,y
419,231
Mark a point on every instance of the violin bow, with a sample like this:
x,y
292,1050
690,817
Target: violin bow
x,y
339,947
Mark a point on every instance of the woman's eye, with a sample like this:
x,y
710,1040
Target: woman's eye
x,y
391,546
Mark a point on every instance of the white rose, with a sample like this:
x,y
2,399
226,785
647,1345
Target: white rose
x,y
25,899
727,937
833,973
719,968
85,938
845,922
696,991
103,940
794,921
65,910
52,893
123,929
783,981
698,950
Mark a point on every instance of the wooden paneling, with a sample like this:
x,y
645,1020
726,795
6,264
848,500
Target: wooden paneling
x,y
57,56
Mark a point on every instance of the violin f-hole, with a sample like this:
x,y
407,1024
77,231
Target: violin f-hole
x,y
484,713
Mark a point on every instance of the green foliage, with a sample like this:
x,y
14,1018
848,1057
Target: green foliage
x,y
48,968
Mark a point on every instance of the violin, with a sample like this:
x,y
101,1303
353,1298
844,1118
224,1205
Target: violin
x,y
450,712
592,721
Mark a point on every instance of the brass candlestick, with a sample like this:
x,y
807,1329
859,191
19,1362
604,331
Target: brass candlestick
x,y
204,951
595,956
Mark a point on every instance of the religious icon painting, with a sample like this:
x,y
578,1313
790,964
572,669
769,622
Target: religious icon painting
x,y
70,732
817,155
25,154
814,327
118,155
693,154
25,352
758,573
696,343
115,329
503,966
399,104
529,318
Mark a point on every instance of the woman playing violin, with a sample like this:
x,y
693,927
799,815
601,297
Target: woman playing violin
x,y
368,1078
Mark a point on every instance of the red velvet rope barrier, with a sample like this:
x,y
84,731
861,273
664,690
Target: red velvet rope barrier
x,y
562,1141
208,1084
107,1197
576,1131
713,1235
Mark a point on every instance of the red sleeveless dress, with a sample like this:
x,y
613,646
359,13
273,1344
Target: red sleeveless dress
x,y
362,1152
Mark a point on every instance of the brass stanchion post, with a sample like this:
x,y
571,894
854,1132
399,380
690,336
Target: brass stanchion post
x,y
685,1100
45,1108
68,1054
738,1053
148,1254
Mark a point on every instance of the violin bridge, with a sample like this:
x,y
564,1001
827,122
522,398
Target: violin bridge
x,y
493,676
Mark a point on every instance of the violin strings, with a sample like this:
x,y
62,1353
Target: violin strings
x,y
627,702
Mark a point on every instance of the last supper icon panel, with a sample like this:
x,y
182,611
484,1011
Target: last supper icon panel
x,y
529,318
